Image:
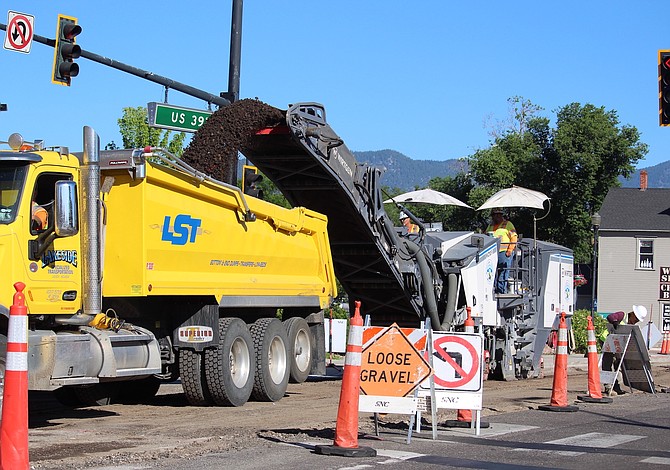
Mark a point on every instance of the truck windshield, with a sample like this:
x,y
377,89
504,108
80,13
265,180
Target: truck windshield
x,y
12,178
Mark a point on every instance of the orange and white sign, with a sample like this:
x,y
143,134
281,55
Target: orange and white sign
x,y
391,366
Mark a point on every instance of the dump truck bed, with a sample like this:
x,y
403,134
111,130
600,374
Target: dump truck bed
x,y
169,234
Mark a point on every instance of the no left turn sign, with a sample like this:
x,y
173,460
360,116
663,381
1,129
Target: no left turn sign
x,y
457,361
20,29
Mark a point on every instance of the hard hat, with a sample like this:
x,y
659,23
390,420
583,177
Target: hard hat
x,y
640,312
402,215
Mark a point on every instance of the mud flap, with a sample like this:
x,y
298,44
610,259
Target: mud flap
x,y
315,322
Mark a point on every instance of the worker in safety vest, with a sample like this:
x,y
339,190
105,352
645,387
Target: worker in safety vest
x,y
40,217
503,229
407,223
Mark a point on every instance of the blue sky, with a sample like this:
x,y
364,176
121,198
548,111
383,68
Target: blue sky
x,y
418,77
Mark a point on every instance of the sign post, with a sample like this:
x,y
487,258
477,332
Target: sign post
x,y
176,118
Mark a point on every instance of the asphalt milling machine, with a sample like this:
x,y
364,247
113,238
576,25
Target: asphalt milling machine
x,y
402,278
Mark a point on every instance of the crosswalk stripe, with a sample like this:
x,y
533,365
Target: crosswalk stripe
x,y
591,439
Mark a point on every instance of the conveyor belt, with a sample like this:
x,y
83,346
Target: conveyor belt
x,y
313,168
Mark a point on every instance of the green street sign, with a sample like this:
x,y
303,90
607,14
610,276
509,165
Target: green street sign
x,y
176,118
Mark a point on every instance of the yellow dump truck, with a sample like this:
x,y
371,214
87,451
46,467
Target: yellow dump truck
x,y
147,269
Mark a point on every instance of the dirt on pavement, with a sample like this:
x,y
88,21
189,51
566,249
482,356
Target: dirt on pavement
x,y
167,427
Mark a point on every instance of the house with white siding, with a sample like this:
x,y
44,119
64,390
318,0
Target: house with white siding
x,y
633,266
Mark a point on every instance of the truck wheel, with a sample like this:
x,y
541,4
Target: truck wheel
x,y
193,377
299,348
97,394
229,367
272,362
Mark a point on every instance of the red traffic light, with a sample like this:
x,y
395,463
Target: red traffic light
x,y
66,51
664,88
71,30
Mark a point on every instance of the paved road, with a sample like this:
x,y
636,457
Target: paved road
x,y
632,432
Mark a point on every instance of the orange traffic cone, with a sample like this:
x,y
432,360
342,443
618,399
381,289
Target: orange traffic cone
x,y
665,346
594,396
464,417
14,426
559,390
346,428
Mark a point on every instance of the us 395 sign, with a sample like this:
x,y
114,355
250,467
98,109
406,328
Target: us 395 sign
x,y
176,118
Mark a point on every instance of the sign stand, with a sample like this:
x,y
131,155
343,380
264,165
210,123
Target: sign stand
x,y
627,348
433,407
392,368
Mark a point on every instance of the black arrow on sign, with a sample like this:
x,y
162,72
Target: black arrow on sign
x,y
16,33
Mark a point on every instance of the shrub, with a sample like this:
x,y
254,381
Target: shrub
x,y
579,324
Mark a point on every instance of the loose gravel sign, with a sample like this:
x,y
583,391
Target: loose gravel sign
x,y
391,365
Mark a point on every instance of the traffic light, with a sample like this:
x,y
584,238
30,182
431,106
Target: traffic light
x,y
664,88
64,67
250,180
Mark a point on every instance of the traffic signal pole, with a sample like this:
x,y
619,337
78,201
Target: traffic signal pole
x,y
145,74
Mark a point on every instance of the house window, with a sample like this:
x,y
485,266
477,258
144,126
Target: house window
x,y
645,253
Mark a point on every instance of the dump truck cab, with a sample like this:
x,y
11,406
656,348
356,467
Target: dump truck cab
x,y
49,264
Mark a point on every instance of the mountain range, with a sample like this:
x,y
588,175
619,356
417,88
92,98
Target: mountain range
x,y
407,174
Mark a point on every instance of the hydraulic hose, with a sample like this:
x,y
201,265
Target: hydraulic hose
x,y
452,290
430,303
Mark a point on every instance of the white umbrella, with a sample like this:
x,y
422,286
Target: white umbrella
x,y
516,196
428,196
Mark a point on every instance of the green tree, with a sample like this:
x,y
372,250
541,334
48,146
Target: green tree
x,y
574,164
136,133
272,194
588,152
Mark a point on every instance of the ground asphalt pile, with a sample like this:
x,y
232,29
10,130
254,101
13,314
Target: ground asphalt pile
x,y
214,148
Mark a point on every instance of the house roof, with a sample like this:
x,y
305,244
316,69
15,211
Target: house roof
x,y
633,209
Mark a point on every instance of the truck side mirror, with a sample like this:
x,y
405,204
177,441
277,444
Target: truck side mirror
x,y
66,209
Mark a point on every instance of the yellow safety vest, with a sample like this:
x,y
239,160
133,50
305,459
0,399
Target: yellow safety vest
x,y
507,234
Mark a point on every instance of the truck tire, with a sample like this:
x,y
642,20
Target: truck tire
x,y
299,348
97,394
272,361
229,368
193,377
